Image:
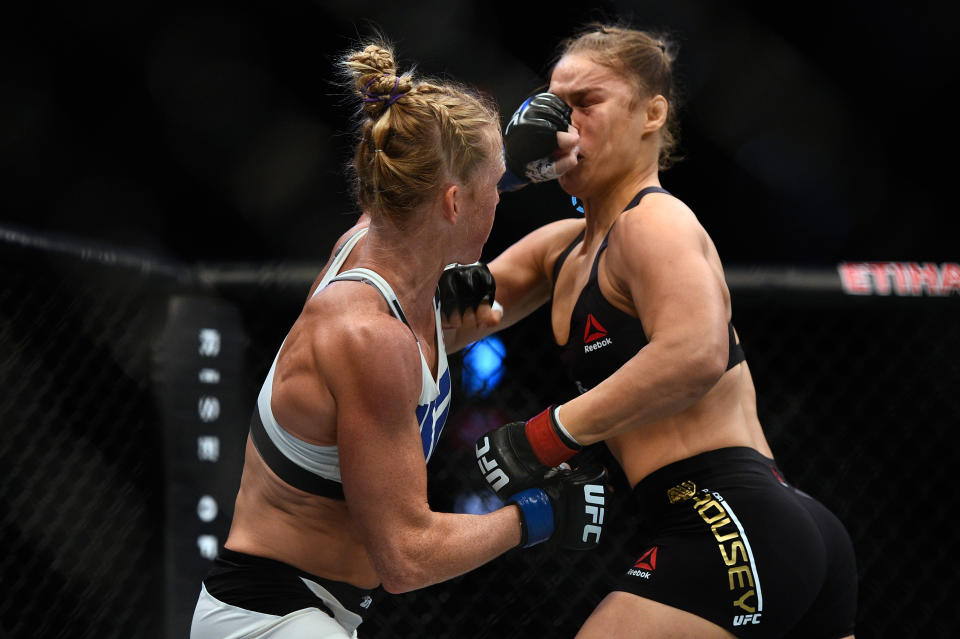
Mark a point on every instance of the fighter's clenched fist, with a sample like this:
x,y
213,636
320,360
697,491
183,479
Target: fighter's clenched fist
x,y
539,142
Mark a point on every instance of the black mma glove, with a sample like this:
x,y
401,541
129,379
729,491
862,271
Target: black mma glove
x,y
530,140
464,286
518,455
567,506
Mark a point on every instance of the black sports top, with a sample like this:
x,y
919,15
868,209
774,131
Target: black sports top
x,y
602,337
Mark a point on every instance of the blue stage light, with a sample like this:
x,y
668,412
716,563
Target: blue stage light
x,y
474,503
483,366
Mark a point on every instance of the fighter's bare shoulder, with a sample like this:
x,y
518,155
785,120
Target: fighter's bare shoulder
x,y
544,244
362,222
658,222
660,209
561,231
361,343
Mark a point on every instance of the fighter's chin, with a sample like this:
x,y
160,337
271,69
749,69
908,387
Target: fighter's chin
x,y
469,257
570,184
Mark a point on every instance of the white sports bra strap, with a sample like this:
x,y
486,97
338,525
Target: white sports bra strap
x,y
374,279
341,257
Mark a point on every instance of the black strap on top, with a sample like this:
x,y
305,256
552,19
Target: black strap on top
x,y
593,273
736,355
736,350
563,256
279,463
639,196
287,470
635,201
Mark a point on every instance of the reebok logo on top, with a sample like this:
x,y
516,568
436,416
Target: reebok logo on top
x,y
594,335
593,330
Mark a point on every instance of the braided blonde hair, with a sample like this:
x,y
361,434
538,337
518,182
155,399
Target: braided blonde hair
x,y
414,135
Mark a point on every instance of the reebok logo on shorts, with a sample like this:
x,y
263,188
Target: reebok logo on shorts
x,y
645,565
592,332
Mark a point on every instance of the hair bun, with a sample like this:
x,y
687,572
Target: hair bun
x,y
412,136
376,80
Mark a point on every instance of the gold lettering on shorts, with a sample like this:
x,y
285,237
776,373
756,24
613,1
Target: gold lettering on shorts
x,y
741,602
731,534
732,558
682,492
739,572
734,553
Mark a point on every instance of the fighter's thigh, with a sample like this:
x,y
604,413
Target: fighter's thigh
x,y
622,615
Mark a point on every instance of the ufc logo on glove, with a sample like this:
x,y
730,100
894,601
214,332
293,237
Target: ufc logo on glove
x,y
594,496
489,468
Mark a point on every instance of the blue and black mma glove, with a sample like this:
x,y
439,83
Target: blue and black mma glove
x,y
519,463
530,140
567,506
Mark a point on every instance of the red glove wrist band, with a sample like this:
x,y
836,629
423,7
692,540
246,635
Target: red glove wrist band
x,y
545,441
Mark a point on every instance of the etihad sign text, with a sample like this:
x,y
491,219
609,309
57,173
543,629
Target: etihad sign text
x,y
899,278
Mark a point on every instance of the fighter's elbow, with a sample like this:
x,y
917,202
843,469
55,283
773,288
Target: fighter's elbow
x,y
397,584
401,568
705,366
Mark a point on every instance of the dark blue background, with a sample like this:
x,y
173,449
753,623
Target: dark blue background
x,y
813,132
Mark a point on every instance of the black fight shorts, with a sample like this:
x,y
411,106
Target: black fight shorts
x,y
248,597
725,537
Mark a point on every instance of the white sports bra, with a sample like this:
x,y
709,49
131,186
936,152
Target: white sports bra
x,y
316,469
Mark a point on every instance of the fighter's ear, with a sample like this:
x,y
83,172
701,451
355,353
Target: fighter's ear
x,y
657,110
451,202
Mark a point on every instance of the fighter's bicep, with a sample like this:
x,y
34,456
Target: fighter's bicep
x,y
523,271
662,260
517,274
381,459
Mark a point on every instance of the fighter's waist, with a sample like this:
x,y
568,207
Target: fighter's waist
x,y
678,481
